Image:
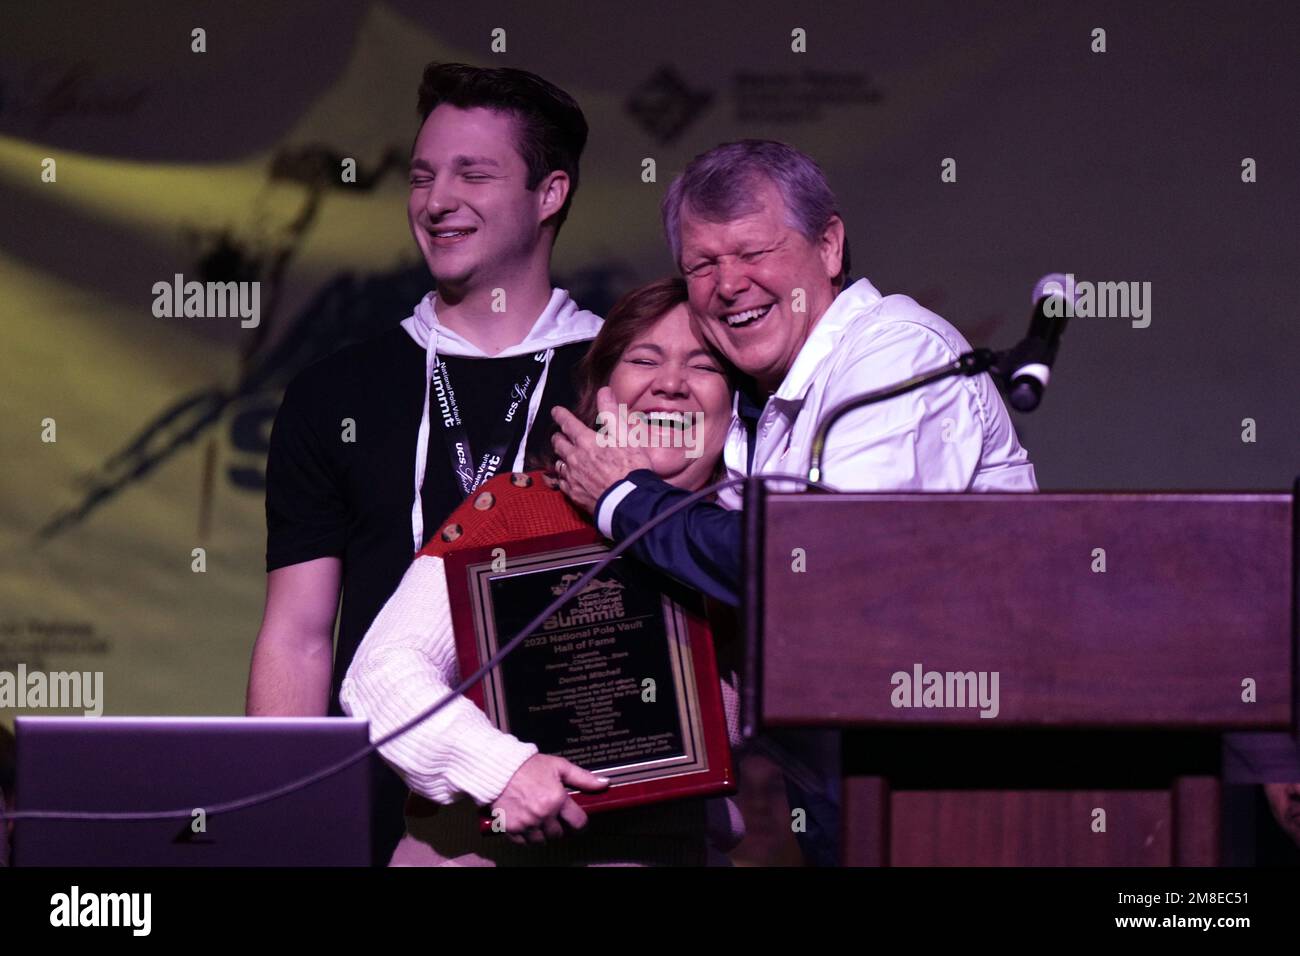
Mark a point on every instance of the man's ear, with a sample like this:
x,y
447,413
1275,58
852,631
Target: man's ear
x,y
552,191
831,247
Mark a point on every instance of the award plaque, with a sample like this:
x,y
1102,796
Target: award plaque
x,y
621,681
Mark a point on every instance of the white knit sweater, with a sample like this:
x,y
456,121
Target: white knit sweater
x,y
407,662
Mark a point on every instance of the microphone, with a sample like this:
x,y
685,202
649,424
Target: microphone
x,y
1028,367
1023,370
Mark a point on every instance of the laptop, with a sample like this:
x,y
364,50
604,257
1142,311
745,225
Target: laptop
x,y
169,763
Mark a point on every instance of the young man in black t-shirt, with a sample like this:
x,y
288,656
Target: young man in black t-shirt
x,y
375,445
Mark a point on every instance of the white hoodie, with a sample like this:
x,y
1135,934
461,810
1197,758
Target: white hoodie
x,y
561,323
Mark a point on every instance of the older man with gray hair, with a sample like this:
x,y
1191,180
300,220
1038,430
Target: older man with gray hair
x,y
756,231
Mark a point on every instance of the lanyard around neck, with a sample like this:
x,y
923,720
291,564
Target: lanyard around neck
x,y
472,471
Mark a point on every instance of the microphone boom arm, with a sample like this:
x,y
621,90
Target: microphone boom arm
x,y
969,363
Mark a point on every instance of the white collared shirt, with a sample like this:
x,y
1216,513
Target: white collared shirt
x,y
951,435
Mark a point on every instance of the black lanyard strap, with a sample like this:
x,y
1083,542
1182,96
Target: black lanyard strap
x,y
471,472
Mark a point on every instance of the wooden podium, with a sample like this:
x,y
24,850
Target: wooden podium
x,y
1113,688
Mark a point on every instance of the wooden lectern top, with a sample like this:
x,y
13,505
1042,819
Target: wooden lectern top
x,y
1083,610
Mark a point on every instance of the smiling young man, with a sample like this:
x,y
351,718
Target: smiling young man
x,y
755,229
375,445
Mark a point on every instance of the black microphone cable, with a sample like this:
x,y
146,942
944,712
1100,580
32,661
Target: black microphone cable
x,y
302,783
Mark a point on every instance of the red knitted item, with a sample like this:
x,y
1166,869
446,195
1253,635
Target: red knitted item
x,y
502,510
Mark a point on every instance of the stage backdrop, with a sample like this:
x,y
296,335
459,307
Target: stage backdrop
x,y
974,147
